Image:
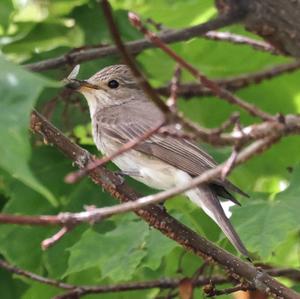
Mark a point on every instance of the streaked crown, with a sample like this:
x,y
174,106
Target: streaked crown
x,y
115,85
116,75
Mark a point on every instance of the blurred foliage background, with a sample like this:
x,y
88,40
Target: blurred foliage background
x,y
124,248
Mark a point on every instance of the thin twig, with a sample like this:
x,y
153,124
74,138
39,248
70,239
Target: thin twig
x,y
229,165
189,90
231,121
13,269
162,283
47,243
144,84
215,88
242,40
210,290
200,271
175,82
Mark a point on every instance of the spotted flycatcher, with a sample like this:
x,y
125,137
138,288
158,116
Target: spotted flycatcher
x,y
121,111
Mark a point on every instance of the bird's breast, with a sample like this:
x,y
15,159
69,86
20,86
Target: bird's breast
x,y
144,168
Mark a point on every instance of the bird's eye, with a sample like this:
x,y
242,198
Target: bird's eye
x,y
113,84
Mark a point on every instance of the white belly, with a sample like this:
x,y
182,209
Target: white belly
x,y
151,171
146,169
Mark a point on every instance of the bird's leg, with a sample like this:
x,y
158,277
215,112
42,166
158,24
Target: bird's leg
x,y
123,173
161,205
83,160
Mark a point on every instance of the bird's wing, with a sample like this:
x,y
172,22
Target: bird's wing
x,y
178,152
188,157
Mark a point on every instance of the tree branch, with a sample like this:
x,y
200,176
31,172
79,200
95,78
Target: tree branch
x,y
162,283
134,47
275,21
189,90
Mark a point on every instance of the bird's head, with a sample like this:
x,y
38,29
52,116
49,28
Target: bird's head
x,y
112,85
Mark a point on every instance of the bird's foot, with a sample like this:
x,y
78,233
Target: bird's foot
x,y
161,205
83,160
123,173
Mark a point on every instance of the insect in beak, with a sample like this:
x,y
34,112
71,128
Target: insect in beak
x,y
76,84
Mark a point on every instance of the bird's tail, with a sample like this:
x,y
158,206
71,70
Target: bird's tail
x,y
206,198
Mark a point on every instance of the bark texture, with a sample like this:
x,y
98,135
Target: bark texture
x,y
276,21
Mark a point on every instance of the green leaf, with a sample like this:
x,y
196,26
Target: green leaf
x,y
10,288
191,11
63,7
36,289
45,37
19,90
154,257
6,8
117,253
28,255
96,32
287,253
264,225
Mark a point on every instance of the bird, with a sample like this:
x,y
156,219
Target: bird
x,y
121,111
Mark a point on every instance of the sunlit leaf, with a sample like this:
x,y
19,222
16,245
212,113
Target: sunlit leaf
x,y
264,225
19,90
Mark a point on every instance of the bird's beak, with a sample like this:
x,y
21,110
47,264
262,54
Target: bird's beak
x,y
80,85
